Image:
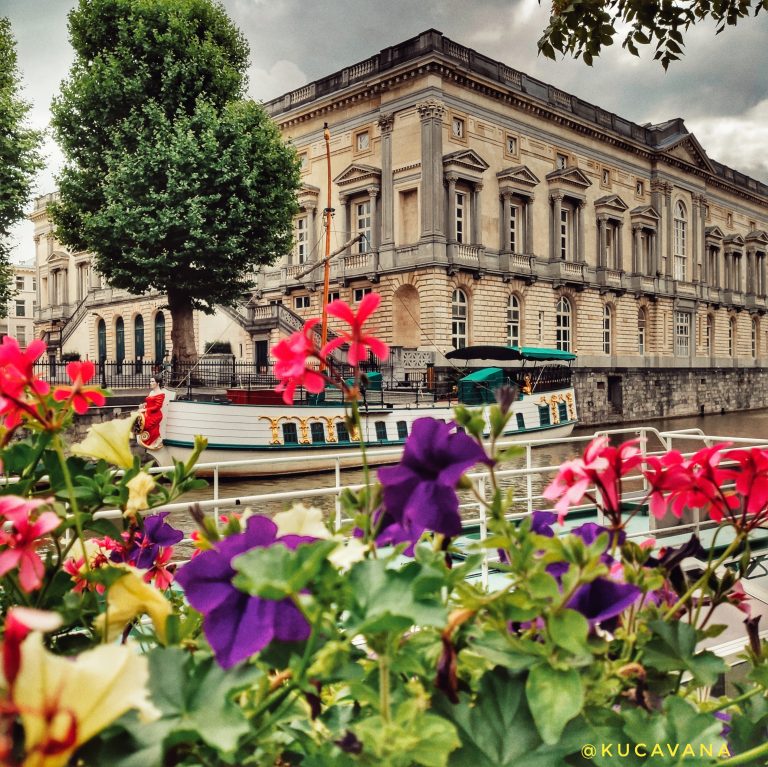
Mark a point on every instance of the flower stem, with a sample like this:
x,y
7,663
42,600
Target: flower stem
x,y
57,446
384,689
734,701
705,576
746,757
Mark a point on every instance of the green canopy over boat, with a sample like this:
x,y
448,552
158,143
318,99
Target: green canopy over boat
x,y
506,353
479,386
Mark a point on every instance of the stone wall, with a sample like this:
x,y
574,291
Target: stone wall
x,y
611,396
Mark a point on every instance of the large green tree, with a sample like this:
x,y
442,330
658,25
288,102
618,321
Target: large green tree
x,y
584,27
20,156
174,180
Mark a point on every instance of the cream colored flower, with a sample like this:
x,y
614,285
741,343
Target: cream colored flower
x,y
301,520
129,597
138,489
347,553
69,700
110,441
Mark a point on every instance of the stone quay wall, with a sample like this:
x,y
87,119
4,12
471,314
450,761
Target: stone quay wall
x,y
617,395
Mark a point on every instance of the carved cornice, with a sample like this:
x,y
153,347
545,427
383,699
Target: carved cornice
x,y
385,122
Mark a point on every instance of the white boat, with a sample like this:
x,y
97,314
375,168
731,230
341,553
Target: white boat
x,y
256,424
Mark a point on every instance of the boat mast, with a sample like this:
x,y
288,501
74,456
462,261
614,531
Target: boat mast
x,y
328,212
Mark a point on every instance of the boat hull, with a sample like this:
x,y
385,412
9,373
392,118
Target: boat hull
x,y
269,440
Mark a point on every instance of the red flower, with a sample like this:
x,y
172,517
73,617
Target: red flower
x,y
82,396
20,543
291,356
16,376
359,343
160,573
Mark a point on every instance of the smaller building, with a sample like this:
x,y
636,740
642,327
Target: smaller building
x,y
20,316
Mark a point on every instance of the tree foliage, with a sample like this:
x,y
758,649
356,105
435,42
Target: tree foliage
x,y
20,155
174,180
584,27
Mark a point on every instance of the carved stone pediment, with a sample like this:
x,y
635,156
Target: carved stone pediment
x,y
714,233
688,149
734,241
646,212
519,180
465,161
59,258
611,203
757,237
308,195
358,173
568,177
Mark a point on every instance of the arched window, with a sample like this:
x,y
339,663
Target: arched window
x,y
642,322
681,242
159,336
514,327
607,329
563,324
119,344
101,334
138,342
459,319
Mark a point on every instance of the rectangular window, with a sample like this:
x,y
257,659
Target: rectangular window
x,y
561,161
363,226
19,282
300,230
641,334
381,431
544,419
358,293
520,420
540,328
606,177
21,308
317,433
514,218
290,435
682,334
21,335
564,232
34,283
639,188
342,432
607,332
402,430
680,249
333,296
562,411
301,302
610,246
511,145
460,216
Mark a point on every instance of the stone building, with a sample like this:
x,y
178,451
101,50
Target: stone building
x,y
20,313
78,313
495,209
499,209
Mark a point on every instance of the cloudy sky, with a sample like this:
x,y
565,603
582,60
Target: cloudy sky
x,y
720,87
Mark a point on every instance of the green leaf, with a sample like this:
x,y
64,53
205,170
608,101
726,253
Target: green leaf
x,y
569,629
496,729
196,697
673,648
276,572
554,697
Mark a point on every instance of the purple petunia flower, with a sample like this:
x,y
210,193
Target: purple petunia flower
x,y
603,599
420,492
236,624
145,546
542,523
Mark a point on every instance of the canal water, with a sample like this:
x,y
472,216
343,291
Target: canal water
x,y
751,424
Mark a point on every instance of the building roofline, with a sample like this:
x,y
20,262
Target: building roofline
x,y
433,42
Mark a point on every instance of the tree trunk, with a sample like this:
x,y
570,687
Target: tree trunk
x,y
183,330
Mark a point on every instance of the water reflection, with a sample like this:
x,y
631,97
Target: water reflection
x,y
752,424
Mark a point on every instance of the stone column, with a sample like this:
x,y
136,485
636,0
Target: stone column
x,y
620,245
345,222
762,274
637,256
557,207
386,121
751,270
431,113
51,287
727,275
528,247
668,227
450,229
581,255
477,231
373,194
602,239
702,235
506,240
694,239
653,247
311,209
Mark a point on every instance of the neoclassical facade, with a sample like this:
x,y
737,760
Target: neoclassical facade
x,y
496,208
493,208
20,312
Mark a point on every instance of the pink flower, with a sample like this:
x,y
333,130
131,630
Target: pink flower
x,y
575,477
82,396
16,376
160,573
19,544
359,343
751,484
291,356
